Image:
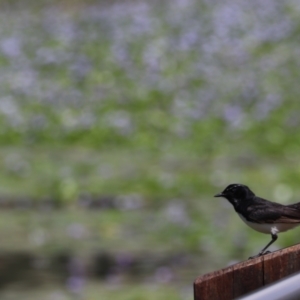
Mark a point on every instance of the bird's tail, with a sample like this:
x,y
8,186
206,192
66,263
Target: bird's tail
x,y
295,205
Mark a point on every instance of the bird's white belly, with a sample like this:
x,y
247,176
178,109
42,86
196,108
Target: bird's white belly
x,y
270,228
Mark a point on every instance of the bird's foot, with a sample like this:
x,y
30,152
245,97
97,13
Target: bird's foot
x,y
259,254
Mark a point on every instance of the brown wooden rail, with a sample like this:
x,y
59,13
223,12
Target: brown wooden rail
x,y
247,276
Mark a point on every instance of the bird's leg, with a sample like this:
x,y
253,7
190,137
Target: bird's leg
x,y
274,238
263,251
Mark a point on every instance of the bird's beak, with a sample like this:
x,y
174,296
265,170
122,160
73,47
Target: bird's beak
x,y
219,195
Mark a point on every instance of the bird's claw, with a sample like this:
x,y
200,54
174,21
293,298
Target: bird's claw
x,y
259,254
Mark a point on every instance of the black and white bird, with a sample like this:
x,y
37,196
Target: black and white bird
x,y
260,214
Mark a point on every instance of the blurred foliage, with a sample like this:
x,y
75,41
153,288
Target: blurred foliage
x,y
163,86
96,291
148,108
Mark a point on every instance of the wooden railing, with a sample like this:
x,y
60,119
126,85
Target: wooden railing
x,y
248,276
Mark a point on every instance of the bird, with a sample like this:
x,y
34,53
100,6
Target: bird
x,y
260,214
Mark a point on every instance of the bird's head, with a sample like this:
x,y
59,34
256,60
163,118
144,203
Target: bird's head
x,y
235,193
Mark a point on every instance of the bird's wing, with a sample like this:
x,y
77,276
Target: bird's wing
x,y
266,213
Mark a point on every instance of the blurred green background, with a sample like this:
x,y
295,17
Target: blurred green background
x,y
119,121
